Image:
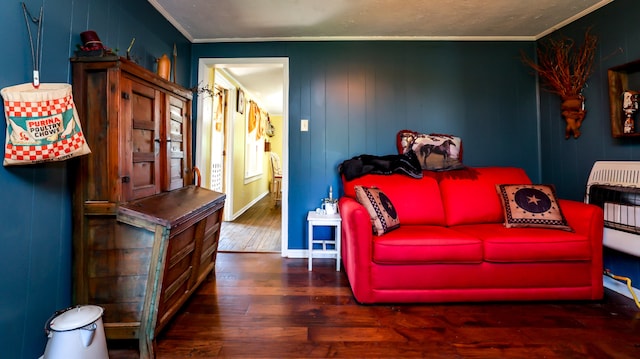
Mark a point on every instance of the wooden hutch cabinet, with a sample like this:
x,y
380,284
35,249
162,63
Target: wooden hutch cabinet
x,y
144,237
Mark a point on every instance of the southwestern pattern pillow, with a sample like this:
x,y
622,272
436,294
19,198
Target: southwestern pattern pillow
x,y
435,152
531,206
384,217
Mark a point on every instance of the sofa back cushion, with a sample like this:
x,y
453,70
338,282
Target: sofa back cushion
x,y
473,199
417,201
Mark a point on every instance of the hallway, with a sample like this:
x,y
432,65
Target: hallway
x,y
256,230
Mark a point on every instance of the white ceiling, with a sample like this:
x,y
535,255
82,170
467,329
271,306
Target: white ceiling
x,y
261,20
205,21
264,81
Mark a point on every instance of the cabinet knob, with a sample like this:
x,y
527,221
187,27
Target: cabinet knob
x,y
126,179
125,95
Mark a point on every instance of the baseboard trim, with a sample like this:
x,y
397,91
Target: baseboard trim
x,y
619,287
303,253
245,208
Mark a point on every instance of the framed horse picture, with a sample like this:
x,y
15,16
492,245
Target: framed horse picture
x,y
436,152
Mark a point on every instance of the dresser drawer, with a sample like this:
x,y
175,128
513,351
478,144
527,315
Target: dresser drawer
x,y
210,243
209,252
179,263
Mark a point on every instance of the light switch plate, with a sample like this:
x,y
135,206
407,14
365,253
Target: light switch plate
x,y
304,125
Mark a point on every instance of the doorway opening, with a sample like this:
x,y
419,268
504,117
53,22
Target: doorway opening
x,y
222,148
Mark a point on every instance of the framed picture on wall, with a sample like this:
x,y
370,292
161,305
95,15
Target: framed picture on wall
x,y
240,105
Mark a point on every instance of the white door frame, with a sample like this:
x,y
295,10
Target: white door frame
x,y
205,66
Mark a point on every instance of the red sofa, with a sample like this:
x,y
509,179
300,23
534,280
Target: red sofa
x,y
452,245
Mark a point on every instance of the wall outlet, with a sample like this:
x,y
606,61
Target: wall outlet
x,y
304,125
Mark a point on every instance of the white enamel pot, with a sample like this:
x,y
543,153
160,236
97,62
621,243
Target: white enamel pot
x,y
76,333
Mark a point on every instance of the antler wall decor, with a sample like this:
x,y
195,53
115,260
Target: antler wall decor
x,y
564,71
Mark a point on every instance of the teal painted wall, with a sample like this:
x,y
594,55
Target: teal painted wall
x,y
35,203
358,95
567,163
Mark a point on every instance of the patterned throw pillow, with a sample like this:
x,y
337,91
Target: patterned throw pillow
x,y
436,152
531,206
384,217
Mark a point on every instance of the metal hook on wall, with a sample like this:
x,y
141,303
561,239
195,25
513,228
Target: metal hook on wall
x,y
617,51
36,51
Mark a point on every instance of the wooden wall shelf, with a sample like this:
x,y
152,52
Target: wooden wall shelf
x,y
622,78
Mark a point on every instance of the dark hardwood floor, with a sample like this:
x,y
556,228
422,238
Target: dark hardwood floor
x,y
256,230
264,306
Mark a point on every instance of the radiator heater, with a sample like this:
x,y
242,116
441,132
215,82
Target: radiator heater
x,y
615,187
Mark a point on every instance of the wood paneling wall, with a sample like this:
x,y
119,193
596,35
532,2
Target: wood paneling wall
x,y
567,163
358,95
35,200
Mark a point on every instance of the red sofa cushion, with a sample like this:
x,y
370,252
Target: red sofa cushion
x,y
519,245
417,201
426,244
473,198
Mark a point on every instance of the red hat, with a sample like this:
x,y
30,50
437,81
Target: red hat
x,y
91,41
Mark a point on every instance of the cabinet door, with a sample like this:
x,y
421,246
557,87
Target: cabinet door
x,y
141,144
178,146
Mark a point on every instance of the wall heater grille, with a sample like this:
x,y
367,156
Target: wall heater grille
x,y
615,187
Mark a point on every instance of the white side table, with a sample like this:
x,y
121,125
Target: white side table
x,y
327,220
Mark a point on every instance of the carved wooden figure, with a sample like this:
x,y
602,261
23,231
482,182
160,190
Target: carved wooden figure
x,y
573,112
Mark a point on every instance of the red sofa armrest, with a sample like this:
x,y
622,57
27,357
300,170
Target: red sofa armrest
x,y
588,219
357,246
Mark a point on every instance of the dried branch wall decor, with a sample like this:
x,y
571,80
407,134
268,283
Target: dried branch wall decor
x,y
564,71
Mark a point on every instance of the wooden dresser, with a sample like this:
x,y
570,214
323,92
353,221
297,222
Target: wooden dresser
x,y
144,237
